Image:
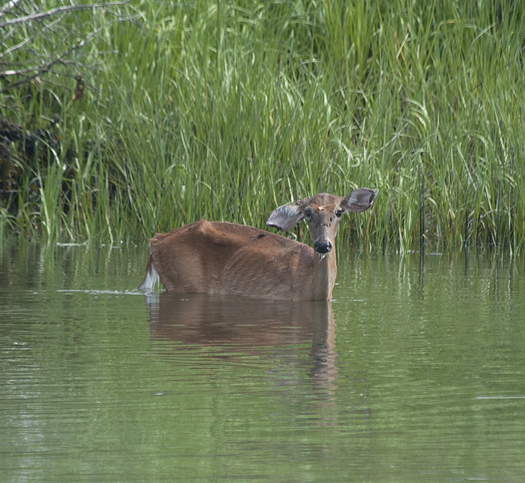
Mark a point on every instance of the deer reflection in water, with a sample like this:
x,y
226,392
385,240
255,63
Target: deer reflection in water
x,y
237,325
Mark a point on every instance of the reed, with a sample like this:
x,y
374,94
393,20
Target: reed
x,y
225,110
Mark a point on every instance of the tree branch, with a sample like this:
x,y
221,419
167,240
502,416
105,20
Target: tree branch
x,y
20,59
56,11
9,6
46,66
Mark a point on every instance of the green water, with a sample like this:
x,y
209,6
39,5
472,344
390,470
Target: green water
x,y
415,373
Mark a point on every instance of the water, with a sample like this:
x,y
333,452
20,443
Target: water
x,y
415,373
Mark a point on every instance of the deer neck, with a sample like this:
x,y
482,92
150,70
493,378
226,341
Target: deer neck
x,y
325,272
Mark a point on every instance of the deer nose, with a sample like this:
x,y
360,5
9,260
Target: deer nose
x,y
322,247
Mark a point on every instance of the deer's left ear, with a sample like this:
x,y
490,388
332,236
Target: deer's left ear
x,y
359,200
286,217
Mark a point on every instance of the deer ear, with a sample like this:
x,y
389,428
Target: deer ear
x,y
359,200
286,217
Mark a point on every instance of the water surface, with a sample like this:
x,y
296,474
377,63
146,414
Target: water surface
x,y
414,373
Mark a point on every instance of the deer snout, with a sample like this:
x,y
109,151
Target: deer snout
x,y
322,247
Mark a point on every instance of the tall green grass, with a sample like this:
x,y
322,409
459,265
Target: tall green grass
x,y
226,110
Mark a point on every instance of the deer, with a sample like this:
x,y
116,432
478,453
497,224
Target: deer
x,y
231,259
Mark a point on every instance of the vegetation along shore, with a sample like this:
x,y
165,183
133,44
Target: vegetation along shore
x,y
117,122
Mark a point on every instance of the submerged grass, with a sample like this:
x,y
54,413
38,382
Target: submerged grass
x,y
225,110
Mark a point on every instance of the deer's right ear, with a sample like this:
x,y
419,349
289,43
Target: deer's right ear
x,y
285,217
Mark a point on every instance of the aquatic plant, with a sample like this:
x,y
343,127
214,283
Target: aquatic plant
x,y
225,110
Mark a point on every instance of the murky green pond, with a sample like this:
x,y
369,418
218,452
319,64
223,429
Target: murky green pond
x,y
415,373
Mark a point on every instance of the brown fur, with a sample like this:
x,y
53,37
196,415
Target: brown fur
x,y
235,252
231,259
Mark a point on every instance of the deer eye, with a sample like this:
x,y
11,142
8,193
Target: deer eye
x,y
339,213
308,212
